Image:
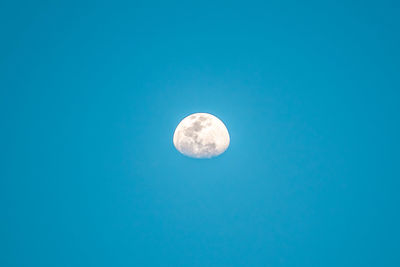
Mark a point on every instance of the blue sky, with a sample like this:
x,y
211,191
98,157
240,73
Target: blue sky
x,y
91,92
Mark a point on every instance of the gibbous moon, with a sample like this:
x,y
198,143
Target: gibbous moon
x,y
201,135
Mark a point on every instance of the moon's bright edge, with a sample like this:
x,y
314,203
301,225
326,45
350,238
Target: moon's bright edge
x,y
201,135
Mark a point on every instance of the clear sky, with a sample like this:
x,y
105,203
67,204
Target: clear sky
x,y
91,93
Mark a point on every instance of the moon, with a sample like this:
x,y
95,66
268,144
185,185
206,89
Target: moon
x,y
201,135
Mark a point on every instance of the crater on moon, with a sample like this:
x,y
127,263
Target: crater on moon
x,y
201,135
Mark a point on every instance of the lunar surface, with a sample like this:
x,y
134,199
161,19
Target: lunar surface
x,y
201,135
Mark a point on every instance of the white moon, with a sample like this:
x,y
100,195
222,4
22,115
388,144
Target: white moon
x,y
201,135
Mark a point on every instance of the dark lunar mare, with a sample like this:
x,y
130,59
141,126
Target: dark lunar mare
x,y
192,132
